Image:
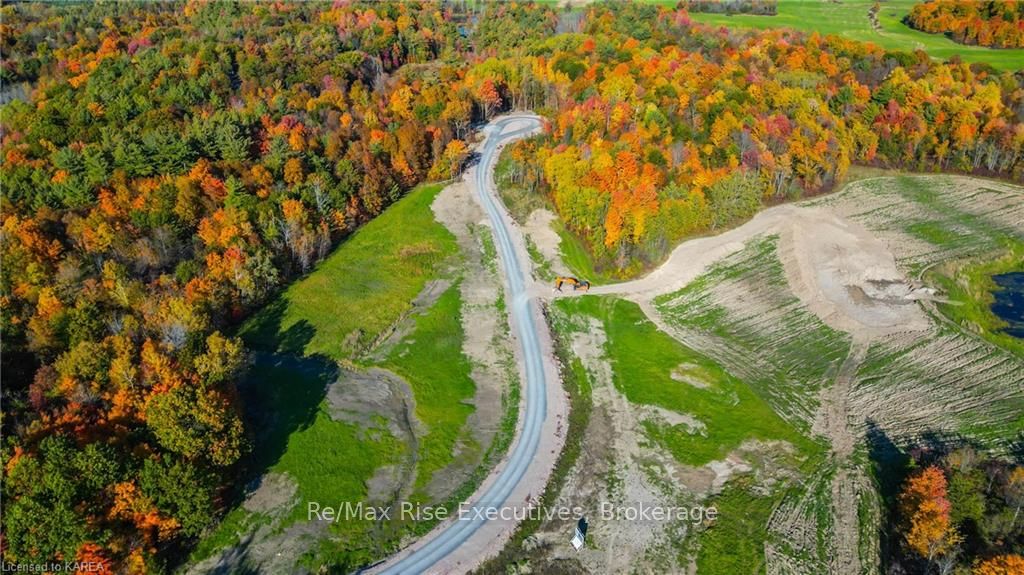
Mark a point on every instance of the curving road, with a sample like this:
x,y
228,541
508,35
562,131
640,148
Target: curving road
x,y
464,540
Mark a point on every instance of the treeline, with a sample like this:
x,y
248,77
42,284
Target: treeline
x,y
173,166
662,127
994,23
959,513
756,7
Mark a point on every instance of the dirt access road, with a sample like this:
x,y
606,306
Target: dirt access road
x,y
840,272
468,537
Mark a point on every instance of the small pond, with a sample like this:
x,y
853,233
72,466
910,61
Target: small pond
x,y
1009,304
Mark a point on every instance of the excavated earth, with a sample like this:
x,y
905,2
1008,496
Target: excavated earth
x,y
850,266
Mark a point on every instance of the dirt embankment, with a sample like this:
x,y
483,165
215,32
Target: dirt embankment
x,y
486,341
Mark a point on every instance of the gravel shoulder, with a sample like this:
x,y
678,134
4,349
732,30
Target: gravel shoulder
x,y
460,544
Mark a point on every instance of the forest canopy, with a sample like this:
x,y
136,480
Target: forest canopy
x,y
662,127
995,23
166,167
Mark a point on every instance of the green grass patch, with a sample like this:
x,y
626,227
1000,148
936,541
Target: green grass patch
x,y
360,289
488,251
989,369
330,461
734,544
228,532
431,360
849,19
969,287
541,265
935,233
643,359
578,258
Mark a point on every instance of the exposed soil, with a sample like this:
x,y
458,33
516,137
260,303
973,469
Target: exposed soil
x,y
834,413
620,465
272,494
363,397
486,343
824,257
538,229
684,374
617,466
850,262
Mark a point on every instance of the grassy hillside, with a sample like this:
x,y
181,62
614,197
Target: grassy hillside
x,y
431,360
361,289
648,366
849,18
331,317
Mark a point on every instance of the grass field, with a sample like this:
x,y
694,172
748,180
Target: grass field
x,y
736,543
329,317
431,360
849,19
363,287
946,383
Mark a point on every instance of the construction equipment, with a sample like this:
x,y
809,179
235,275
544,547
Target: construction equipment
x,y
577,284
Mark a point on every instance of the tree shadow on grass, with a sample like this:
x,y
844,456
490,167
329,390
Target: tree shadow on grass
x,y
281,394
283,388
236,560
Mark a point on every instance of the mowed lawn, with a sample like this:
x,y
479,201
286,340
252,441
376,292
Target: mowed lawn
x,y
360,289
849,18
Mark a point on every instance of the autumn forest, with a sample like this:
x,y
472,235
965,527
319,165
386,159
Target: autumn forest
x,y
168,167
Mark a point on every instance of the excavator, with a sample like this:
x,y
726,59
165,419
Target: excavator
x,y
577,284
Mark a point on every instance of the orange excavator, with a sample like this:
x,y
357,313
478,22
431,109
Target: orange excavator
x,y
577,284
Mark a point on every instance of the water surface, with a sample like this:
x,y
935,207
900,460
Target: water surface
x,y
1009,304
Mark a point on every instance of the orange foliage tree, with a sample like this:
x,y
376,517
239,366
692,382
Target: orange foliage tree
x,y
925,509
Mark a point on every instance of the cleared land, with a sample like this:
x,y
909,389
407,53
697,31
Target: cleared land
x,y
728,447
951,381
850,19
746,354
366,388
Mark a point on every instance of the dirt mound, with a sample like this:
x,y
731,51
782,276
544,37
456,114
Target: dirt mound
x,y
846,276
538,229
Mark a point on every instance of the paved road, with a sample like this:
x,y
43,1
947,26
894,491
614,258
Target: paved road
x,y
427,555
